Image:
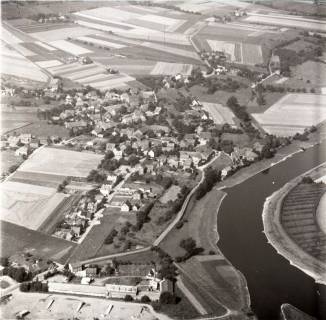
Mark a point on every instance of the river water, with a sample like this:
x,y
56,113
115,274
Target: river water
x,y
270,277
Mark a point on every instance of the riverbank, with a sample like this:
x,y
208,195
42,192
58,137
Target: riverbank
x,y
279,239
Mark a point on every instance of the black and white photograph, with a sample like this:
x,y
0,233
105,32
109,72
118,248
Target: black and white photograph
x,y
163,160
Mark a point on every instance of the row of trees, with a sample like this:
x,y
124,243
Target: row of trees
x,y
211,178
35,286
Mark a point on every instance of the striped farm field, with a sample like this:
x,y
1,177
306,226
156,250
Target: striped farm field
x,y
165,68
113,83
85,73
101,42
298,218
69,47
99,26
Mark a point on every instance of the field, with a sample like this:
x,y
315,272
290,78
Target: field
x,y
17,65
321,214
61,162
69,47
65,306
293,113
135,17
287,21
93,74
298,218
48,63
9,159
35,242
61,34
28,205
101,42
170,194
310,73
39,179
219,114
164,68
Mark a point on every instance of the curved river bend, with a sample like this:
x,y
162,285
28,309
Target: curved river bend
x,y
270,277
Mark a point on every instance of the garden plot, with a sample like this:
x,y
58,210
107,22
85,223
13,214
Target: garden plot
x,y
27,205
219,114
223,46
251,54
293,113
48,63
17,65
165,68
54,35
61,162
101,42
69,47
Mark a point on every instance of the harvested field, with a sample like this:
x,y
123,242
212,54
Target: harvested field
x,y
164,68
219,114
64,33
8,37
99,26
101,42
35,242
17,65
61,162
48,63
251,54
287,21
28,205
293,113
69,47
41,128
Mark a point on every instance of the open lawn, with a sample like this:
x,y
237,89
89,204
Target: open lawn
x,y
170,194
32,241
61,162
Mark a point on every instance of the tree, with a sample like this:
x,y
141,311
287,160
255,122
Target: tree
x,y
188,244
167,298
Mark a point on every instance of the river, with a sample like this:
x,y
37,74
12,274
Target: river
x,y
270,277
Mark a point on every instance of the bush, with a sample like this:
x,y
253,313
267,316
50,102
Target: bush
x,y
128,298
145,299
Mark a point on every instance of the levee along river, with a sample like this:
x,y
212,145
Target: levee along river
x,y
271,279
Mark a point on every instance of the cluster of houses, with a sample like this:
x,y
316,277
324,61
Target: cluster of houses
x,y
25,143
76,221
